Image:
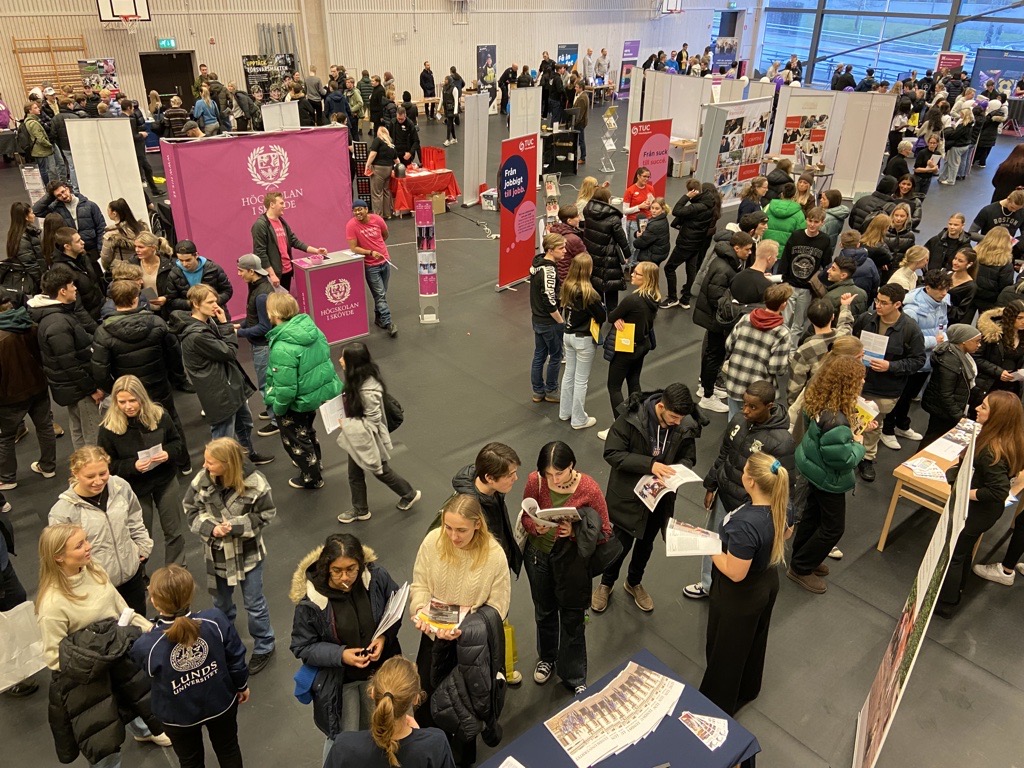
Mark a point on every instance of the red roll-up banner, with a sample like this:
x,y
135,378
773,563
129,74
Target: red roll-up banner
x,y
648,148
517,201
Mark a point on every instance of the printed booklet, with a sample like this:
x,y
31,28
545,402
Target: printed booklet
x,y
650,489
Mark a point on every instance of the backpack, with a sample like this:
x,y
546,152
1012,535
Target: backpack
x,y
26,141
729,311
19,278
394,414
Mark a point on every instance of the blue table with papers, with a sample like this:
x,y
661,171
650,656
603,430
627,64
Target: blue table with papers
x,y
672,743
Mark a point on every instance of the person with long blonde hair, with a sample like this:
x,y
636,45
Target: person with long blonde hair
x,y
638,308
394,738
75,593
380,161
959,140
995,267
827,456
134,425
206,113
998,459
181,701
459,563
581,308
228,507
587,187
878,248
744,585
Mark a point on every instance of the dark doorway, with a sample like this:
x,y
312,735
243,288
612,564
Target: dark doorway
x,y
169,74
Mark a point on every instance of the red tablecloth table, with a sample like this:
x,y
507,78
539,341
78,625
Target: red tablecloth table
x,y
418,183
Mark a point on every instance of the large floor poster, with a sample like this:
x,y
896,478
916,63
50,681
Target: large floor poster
x,y
741,148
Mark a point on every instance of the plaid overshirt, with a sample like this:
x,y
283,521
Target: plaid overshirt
x,y
754,355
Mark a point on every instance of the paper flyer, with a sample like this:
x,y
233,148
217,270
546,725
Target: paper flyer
x,y
925,468
441,615
393,610
649,489
712,731
875,345
332,412
683,539
953,443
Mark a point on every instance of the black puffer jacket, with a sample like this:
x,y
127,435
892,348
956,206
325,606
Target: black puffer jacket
x,y
776,181
992,357
97,691
899,241
949,388
495,513
138,342
916,208
124,452
720,273
468,676
653,243
942,248
177,285
692,218
89,280
869,205
210,354
741,439
607,245
66,348
991,280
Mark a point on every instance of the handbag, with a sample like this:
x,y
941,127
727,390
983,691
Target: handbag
x,y
21,645
394,414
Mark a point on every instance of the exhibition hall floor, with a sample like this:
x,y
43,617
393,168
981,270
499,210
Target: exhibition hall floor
x,y
464,382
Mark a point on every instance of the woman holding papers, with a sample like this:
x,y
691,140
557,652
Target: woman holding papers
x,y
340,594
1001,353
744,585
145,449
557,562
827,457
998,457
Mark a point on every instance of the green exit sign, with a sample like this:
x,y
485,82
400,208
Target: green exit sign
x,y
166,43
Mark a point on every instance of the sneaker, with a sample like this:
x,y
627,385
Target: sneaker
x,y
668,303
40,471
22,689
981,165
836,553
603,434
890,441
537,398
720,393
259,459
9,486
822,570
163,740
455,141
185,471
695,591
994,572
579,689
591,421
297,482
542,672
552,397
447,143
713,404
268,430
947,183
258,662
866,469
350,516
599,600
910,434
515,678
810,582
640,596
23,432
405,506
392,330
1020,568
684,304
264,416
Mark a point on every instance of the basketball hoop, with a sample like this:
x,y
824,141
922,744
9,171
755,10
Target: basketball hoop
x,y
130,22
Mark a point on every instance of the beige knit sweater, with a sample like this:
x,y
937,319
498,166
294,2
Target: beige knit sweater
x,y
58,617
459,582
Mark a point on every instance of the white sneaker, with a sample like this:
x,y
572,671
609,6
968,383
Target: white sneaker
x,y
40,471
836,553
447,143
713,404
909,433
455,141
591,421
1020,567
603,434
720,393
994,572
163,740
890,441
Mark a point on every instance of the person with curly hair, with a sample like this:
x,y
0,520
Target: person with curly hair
x,y
830,451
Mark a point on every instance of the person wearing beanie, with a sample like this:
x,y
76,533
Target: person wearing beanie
x,y
876,202
953,374
366,233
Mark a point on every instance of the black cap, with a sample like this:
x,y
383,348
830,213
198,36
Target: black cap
x,y
185,246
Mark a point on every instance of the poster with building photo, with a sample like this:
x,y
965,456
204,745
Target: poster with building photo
x,y
803,138
741,147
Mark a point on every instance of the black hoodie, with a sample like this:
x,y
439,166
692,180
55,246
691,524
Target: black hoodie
x,y
543,290
495,513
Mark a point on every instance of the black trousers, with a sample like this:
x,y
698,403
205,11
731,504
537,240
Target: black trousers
x,y
681,255
318,111
739,615
981,155
187,742
712,357
504,100
1015,549
463,750
642,549
611,300
388,476
624,367
145,168
286,279
299,438
430,108
980,518
449,123
12,593
899,416
821,527
134,591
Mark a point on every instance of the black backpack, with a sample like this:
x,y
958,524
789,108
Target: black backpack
x,y
26,141
394,414
729,311
19,278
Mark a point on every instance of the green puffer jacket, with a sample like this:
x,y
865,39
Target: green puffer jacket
x,y
828,455
300,374
784,218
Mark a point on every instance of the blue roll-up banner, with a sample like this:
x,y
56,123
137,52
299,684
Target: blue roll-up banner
x,y
1003,66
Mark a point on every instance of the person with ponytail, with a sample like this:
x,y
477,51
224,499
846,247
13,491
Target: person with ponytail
x,y
744,585
197,662
394,738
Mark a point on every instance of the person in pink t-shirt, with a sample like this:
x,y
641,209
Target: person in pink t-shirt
x,y
273,240
366,233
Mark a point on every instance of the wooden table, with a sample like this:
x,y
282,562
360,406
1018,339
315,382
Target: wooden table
x,y
930,494
684,148
607,89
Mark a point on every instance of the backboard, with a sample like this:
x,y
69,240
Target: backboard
x,y
114,10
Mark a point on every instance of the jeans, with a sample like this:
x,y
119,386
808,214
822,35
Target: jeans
x,y
624,367
735,407
377,278
952,163
187,741
547,346
11,416
560,631
797,309
69,162
712,357
51,167
579,357
899,416
298,434
238,425
260,358
821,526
166,502
632,227
642,549
255,607
390,478
84,418
715,518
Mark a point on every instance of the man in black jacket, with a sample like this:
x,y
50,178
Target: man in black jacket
x,y
59,132
548,324
762,426
653,431
507,78
880,200
405,136
273,241
66,348
886,377
429,91
192,269
135,341
945,245
78,212
692,214
70,251
846,79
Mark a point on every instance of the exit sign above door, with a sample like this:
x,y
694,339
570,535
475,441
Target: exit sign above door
x,y
166,43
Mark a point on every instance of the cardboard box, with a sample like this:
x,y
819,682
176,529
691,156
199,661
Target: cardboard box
x,y
489,200
440,205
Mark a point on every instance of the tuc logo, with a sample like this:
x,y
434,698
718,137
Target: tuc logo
x,y
639,128
268,167
530,143
338,291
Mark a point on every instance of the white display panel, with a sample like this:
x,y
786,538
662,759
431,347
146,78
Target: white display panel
x,y
105,162
280,115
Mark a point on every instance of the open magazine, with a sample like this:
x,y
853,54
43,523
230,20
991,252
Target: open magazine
x,y
549,518
867,411
393,611
650,489
441,615
683,539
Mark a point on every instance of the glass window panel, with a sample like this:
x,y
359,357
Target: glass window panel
x,y
969,36
971,7
921,7
780,4
889,60
785,33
